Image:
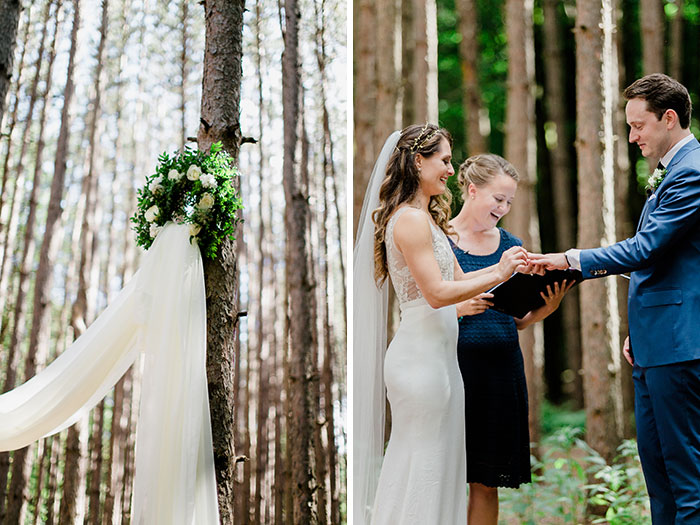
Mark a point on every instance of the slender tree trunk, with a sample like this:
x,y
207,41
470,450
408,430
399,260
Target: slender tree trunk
x,y
675,51
299,418
365,103
601,351
469,59
9,21
425,85
184,66
651,19
408,41
520,149
220,121
562,182
386,73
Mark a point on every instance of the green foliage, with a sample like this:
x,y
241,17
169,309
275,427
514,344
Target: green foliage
x,y
190,187
556,417
571,478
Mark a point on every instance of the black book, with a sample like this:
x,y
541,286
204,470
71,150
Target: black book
x,y
521,293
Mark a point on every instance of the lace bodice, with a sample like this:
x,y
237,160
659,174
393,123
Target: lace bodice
x,y
404,284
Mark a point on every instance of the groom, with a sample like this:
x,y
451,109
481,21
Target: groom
x,y
664,298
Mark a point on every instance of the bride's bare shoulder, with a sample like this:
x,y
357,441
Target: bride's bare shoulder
x,y
412,225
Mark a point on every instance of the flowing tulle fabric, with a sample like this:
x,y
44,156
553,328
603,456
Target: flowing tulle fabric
x,y
161,313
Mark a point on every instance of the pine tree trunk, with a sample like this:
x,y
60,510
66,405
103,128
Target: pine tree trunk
x,y
184,53
520,150
365,103
425,83
386,73
562,182
675,51
601,352
651,19
408,44
469,59
220,122
9,21
299,418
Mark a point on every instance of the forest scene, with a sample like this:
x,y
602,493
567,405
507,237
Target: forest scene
x,y
540,82
93,92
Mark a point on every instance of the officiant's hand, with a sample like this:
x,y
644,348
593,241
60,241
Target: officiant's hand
x,y
475,305
551,302
550,261
626,351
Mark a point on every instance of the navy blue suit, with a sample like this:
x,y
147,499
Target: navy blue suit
x,y
664,329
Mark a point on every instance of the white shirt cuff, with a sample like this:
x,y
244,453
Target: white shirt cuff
x,y
574,257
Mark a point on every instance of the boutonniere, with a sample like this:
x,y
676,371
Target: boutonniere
x,y
655,179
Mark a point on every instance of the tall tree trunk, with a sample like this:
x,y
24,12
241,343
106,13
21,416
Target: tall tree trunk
x,y
74,471
184,67
675,49
601,351
21,463
651,19
365,103
386,73
425,85
9,21
469,60
220,122
520,149
408,43
299,418
562,181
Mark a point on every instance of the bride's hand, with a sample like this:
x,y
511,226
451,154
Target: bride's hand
x,y
513,260
475,305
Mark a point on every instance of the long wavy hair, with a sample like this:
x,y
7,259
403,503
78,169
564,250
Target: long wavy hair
x,y
401,184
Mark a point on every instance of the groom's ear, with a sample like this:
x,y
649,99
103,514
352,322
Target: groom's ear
x,y
670,117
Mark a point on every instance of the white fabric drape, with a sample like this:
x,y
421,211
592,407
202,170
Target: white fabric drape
x,y
161,313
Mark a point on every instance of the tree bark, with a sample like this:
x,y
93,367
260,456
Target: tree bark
x,y
386,73
365,103
562,182
9,22
299,418
469,59
520,150
651,19
425,85
220,122
601,352
675,51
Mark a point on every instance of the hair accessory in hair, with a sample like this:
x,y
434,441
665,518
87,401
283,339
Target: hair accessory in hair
x,y
418,144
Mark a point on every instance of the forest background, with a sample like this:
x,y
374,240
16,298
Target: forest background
x,y
539,82
96,91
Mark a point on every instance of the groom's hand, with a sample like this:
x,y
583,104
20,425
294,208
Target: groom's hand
x,y
626,351
550,261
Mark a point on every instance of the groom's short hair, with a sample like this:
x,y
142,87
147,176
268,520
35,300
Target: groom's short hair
x,y
661,93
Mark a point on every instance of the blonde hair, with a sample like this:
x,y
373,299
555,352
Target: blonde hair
x,y
481,169
401,184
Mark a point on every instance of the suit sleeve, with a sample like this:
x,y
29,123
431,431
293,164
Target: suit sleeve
x,y
677,212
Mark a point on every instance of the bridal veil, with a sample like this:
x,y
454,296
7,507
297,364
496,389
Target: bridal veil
x,y
369,345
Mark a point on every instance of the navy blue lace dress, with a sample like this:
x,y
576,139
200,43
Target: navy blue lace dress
x,y
498,441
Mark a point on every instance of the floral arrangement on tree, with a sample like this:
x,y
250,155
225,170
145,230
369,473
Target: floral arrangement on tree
x,y
190,187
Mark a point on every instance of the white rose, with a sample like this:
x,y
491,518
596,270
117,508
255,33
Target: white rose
x,y
174,175
155,230
193,172
206,202
194,229
208,180
151,213
155,185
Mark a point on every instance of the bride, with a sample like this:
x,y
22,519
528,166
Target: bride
x,y
422,478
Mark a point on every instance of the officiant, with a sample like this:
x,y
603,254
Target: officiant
x,y
490,359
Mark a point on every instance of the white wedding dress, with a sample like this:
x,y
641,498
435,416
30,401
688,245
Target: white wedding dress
x,y
160,314
423,478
